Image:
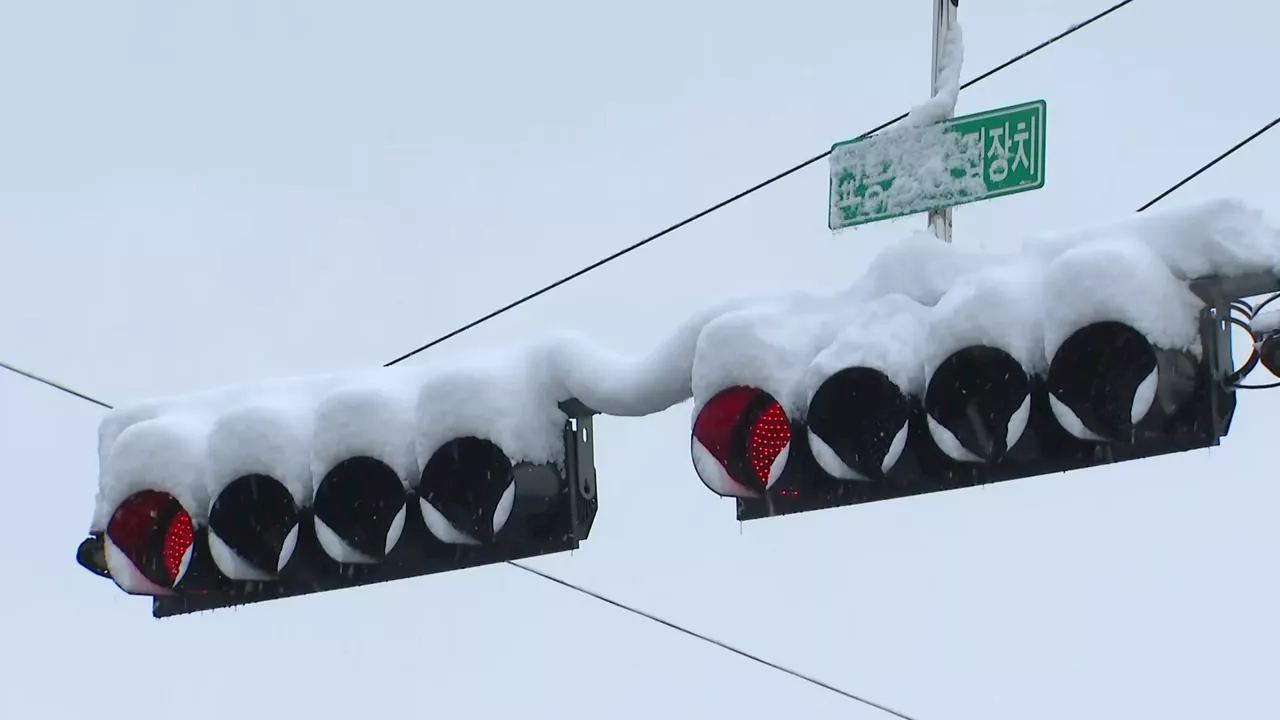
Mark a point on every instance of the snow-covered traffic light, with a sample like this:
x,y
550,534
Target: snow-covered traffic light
x,y
1107,395
943,368
253,498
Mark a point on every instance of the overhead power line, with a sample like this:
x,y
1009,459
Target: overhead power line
x,y
1210,164
54,385
707,639
729,201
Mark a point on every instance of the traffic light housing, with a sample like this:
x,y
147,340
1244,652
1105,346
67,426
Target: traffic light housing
x,y
365,523
1108,394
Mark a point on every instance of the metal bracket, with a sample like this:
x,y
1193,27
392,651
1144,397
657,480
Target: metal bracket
x,y
1218,292
580,465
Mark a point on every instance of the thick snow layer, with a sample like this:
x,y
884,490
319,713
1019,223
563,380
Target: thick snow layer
x,y
943,103
861,170
945,167
922,299
297,429
917,302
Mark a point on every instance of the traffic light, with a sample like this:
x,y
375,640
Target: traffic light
x,y
238,515
1106,393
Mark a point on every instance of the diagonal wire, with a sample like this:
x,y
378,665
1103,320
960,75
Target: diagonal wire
x,y
1257,134
52,384
729,201
705,638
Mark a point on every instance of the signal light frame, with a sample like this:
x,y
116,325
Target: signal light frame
x,y
1046,447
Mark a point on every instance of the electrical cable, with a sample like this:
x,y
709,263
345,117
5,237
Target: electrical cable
x,y
729,201
708,639
54,385
1211,163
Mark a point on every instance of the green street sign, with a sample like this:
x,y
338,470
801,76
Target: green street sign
x,y
903,171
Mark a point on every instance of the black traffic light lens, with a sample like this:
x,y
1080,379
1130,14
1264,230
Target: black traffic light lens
x,y
467,491
1102,381
977,403
149,542
253,528
359,510
858,423
741,442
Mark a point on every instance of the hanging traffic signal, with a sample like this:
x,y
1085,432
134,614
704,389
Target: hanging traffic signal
x,y
365,523
1107,393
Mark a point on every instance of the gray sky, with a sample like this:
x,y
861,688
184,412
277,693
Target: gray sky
x,y
193,194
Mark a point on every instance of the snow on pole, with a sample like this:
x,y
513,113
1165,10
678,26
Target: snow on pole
x,y
945,85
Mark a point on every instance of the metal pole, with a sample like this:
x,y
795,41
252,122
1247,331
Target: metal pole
x,y
944,15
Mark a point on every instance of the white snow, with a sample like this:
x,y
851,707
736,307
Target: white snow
x,y
364,417
1268,321
919,142
1118,279
943,103
921,299
859,171
918,301
296,429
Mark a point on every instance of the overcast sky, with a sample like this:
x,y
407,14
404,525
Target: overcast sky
x,y
194,194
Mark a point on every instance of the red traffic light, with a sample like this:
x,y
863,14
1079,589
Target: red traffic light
x,y
741,441
149,541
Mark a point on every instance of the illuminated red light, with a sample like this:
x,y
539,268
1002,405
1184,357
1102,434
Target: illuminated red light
x,y
177,542
768,436
720,419
155,533
739,437
132,523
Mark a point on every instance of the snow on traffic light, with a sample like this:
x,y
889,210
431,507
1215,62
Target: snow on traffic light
x,y
309,484
943,367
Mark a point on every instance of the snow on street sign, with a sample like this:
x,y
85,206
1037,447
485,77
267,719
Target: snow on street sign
x,y
911,170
